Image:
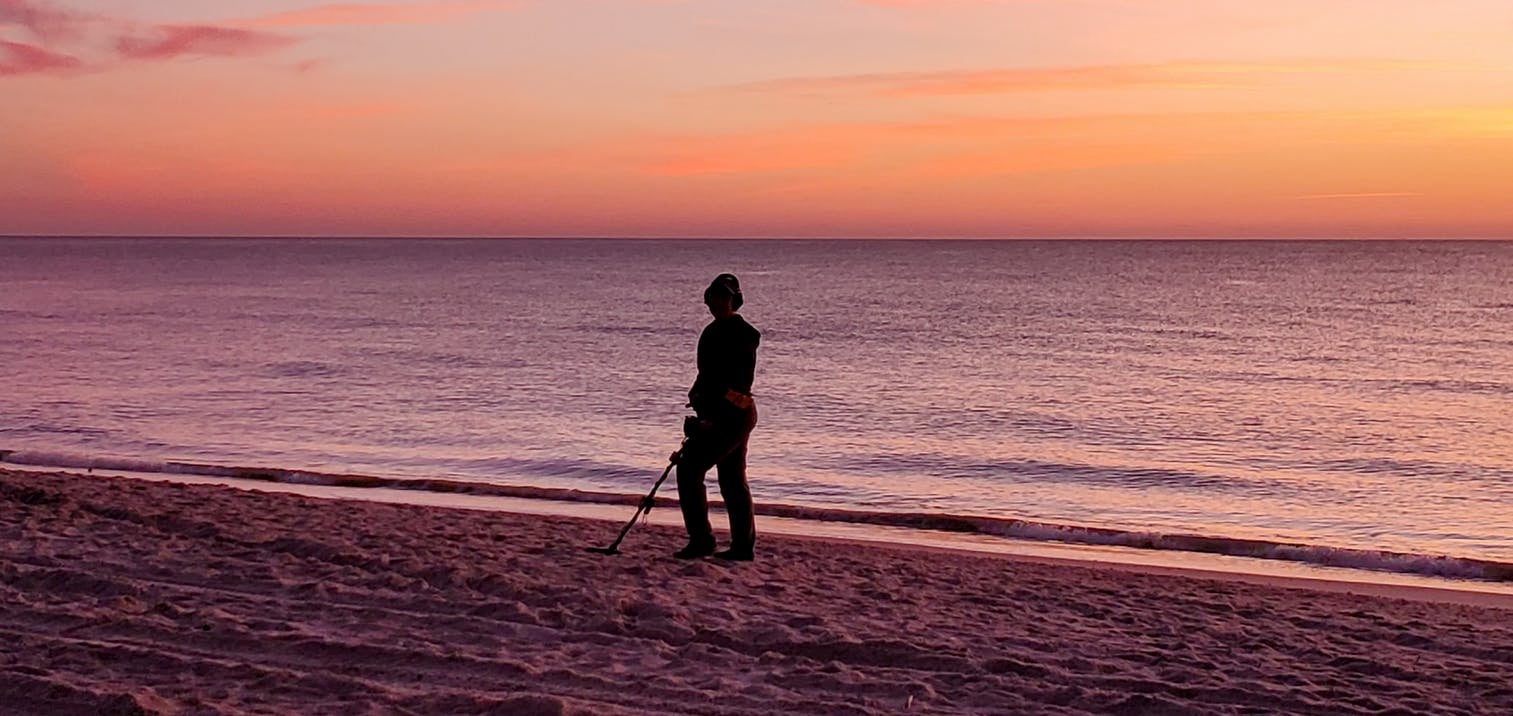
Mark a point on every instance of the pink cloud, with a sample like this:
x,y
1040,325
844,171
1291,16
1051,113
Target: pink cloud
x,y
307,66
40,19
19,59
171,41
65,36
371,14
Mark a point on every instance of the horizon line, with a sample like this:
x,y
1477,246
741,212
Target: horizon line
x,y
776,237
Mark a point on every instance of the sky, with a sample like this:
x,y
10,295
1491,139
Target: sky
x,y
927,118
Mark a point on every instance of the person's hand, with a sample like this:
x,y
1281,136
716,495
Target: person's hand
x,y
693,426
675,456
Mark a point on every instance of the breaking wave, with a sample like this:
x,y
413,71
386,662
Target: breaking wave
x,y
1350,558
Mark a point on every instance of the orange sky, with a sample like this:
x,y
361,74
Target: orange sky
x,y
773,118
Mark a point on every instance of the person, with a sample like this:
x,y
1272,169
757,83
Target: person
x,y
726,414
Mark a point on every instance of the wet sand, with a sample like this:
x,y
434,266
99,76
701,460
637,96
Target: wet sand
x,y
126,596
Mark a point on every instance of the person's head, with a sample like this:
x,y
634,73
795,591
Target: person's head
x,y
723,297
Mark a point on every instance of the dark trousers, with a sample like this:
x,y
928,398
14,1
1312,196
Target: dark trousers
x,y
723,447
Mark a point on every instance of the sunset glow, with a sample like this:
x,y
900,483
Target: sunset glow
x,y
738,118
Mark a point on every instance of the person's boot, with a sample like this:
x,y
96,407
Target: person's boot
x,y
695,549
735,554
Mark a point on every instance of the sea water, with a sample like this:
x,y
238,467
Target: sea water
x,y
1342,402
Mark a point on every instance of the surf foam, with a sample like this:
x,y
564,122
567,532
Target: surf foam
x,y
1323,555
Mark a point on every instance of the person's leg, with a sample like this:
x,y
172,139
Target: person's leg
x,y
702,452
693,501
736,493
737,496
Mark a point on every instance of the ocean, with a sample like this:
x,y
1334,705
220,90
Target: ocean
x,y
1334,402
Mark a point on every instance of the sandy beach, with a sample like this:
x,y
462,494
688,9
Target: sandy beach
x,y
125,596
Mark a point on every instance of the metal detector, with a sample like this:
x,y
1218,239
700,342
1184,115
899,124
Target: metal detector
x,y
643,508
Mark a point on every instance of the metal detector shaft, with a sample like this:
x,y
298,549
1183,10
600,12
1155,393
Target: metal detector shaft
x,y
645,506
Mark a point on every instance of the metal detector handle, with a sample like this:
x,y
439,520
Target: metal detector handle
x,y
645,505
650,499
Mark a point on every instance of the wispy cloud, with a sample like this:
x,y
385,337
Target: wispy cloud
x,y
1360,195
19,59
356,110
374,14
932,149
1091,77
66,39
170,41
44,21
70,39
1494,121
935,3
968,148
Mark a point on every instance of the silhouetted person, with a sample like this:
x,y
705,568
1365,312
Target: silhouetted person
x,y
721,398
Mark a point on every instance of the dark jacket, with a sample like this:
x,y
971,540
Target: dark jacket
x,y
727,361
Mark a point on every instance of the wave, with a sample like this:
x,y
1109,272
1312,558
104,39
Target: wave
x,y
943,466
1350,558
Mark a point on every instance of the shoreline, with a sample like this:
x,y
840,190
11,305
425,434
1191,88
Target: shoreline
x,y
135,596
1209,565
